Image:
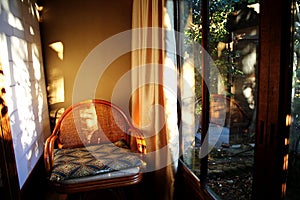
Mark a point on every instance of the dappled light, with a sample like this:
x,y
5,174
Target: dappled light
x,y
36,62
87,122
15,22
38,10
249,95
288,120
58,47
189,124
31,30
255,6
249,62
23,72
56,91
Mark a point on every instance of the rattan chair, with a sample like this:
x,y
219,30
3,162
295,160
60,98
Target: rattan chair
x,y
93,146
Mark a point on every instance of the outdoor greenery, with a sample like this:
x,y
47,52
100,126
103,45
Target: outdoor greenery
x,y
295,137
229,166
219,33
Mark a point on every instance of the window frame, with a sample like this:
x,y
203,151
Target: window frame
x,y
274,83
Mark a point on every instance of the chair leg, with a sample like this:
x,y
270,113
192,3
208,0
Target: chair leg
x,y
133,192
113,194
119,192
77,196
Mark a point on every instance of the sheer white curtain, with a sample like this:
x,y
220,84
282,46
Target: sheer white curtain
x,y
154,98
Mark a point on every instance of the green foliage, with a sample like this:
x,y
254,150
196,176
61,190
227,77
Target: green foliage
x,y
219,12
294,135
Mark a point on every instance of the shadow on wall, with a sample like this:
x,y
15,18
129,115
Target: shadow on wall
x,y
21,57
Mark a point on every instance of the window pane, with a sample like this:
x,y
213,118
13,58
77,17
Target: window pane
x,y
234,48
293,180
233,51
188,65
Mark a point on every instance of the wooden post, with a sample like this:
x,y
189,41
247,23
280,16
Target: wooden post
x,y
205,94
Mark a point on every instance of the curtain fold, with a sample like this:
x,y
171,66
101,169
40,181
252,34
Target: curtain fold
x,y
154,98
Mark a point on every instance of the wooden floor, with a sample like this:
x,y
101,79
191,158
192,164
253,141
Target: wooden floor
x,y
124,193
36,188
42,192
100,194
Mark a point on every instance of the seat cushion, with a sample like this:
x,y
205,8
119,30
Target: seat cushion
x,y
103,176
92,160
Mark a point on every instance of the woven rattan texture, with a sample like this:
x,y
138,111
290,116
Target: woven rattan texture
x,y
92,124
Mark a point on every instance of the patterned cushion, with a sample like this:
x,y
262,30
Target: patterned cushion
x,y
92,160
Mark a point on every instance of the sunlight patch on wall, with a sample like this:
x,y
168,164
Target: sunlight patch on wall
x,y
249,61
31,30
3,50
255,6
5,4
56,91
26,93
36,61
58,47
15,22
38,9
40,101
23,91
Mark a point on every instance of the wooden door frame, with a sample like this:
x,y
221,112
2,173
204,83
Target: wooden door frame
x,y
274,99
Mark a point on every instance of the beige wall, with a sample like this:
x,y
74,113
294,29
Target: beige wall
x,y
80,26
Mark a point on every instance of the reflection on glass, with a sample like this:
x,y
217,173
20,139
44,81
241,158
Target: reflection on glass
x,y
293,179
233,48
187,74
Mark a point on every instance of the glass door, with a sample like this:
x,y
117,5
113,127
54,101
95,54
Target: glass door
x,y
293,179
231,47
234,39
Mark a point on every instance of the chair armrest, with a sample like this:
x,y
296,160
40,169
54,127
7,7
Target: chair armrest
x,y
48,152
140,140
46,155
141,145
